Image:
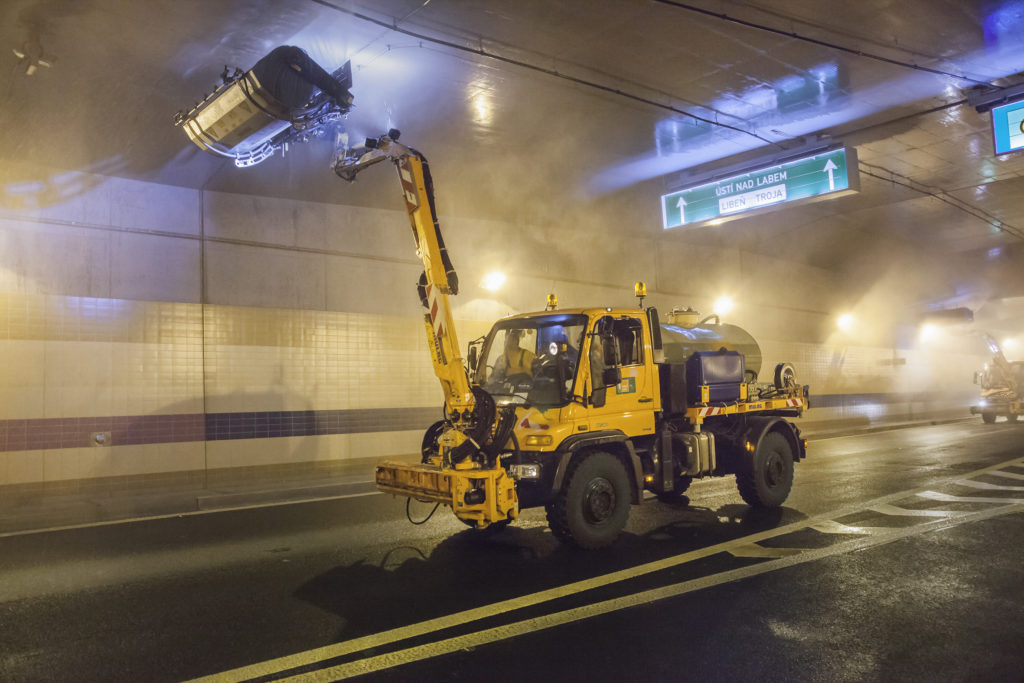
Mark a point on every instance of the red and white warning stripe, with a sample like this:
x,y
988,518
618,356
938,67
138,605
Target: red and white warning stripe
x,y
408,186
527,424
709,411
794,402
434,306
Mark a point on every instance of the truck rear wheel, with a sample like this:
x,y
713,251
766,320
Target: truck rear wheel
x,y
592,508
765,476
988,417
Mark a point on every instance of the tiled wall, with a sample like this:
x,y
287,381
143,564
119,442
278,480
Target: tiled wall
x,y
147,373
202,332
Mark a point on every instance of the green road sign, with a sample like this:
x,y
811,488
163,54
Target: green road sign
x,y
824,175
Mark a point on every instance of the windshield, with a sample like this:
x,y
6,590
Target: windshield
x,y
532,358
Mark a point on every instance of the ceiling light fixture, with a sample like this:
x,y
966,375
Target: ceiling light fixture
x,y
493,281
723,305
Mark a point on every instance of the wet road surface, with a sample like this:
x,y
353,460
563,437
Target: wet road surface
x,y
897,556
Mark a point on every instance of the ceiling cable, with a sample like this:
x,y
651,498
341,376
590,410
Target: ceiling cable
x,y
945,197
481,52
833,46
910,184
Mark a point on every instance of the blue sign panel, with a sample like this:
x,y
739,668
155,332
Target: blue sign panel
x,y
1008,127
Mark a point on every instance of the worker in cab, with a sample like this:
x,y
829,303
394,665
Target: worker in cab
x,y
514,360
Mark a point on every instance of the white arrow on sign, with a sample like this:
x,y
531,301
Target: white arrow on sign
x,y
682,212
830,166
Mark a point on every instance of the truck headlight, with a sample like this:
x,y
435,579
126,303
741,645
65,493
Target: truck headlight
x,y
539,440
529,471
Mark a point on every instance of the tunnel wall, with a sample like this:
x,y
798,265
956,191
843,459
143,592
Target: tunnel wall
x,y
209,336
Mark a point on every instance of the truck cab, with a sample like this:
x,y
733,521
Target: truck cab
x,y
592,379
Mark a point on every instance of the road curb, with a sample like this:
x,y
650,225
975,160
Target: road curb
x,y
85,510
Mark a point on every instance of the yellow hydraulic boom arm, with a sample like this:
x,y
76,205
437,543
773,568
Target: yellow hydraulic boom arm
x,y
1005,371
247,122
436,283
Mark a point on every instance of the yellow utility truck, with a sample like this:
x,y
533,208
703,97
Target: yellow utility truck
x,y
579,411
582,410
609,403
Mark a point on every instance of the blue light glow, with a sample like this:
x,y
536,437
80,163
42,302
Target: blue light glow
x,y
1004,24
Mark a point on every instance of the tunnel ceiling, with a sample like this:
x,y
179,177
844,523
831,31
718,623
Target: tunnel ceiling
x,y
547,112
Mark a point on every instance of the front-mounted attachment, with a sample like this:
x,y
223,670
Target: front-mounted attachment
x,y
285,98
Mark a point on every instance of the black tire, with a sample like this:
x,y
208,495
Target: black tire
x,y
765,477
988,417
677,493
592,508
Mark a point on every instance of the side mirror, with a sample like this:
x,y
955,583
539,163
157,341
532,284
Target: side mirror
x,y
611,376
473,356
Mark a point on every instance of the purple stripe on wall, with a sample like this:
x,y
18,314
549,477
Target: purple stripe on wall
x,y
128,430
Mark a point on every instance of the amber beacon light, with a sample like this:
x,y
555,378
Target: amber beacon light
x,y
640,292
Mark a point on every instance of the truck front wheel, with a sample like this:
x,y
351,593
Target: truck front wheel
x,y
765,476
988,417
592,508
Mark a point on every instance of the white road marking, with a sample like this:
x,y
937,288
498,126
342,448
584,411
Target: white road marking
x,y
190,513
499,633
277,666
833,527
1007,475
904,512
946,498
755,550
983,485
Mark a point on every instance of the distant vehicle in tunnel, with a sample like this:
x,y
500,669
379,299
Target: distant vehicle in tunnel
x,y
1000,382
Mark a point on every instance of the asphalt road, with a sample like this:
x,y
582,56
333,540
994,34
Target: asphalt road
x,y
897,557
